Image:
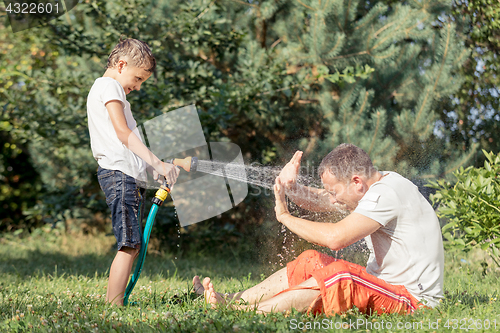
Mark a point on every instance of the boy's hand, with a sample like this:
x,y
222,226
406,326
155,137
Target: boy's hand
x,y
157,177
290,172
169,171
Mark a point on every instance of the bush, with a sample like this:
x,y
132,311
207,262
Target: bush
x,y
471,207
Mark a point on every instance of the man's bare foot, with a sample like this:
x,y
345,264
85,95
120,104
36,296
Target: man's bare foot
x,y
198,287
211,296
207,288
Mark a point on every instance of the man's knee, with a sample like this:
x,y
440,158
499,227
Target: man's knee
x,y
309,254
311,260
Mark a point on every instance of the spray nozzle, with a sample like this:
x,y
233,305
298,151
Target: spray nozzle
x,y
188,163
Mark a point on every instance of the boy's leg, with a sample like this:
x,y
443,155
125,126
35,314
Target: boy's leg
x,y
274,284
119,274
124,199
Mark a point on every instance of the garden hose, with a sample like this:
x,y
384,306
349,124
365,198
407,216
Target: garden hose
x,y
188,164
158,199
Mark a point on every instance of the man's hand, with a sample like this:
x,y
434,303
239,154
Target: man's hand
x,y
290,172
281,208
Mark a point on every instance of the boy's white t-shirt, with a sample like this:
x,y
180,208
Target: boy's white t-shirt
x,y
408,249
107,149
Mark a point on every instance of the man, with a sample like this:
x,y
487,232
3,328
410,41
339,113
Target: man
x,y
405,267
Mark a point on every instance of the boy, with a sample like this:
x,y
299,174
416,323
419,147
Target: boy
x,y
120,153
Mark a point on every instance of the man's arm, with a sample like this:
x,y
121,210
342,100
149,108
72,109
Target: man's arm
x,y
309,198
335,236
132,142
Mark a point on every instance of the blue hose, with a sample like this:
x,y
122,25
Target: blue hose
x,y
142,253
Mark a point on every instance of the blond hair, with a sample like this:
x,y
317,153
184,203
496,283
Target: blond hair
x,y
138,53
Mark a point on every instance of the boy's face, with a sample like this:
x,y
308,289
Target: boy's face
x,y
131,77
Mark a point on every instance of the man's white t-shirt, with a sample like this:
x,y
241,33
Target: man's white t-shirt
x,y
408,249
107,149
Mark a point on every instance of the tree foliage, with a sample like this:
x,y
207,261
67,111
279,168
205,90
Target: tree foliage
x,y
270,76
390,111
472,116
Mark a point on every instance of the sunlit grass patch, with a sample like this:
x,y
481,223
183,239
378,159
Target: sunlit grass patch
x,y
60,286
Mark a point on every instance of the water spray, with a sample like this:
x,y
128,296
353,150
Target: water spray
x,y
235,171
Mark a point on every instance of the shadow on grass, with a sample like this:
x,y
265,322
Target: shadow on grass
x,y
36,263
465,298
39,263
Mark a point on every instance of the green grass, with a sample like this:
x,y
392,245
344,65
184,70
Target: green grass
x,y
56,283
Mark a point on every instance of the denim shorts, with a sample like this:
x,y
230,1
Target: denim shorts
x,y
126,201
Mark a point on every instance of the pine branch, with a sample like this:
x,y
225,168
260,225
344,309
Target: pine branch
x,y
402,70
459,59
342,104
350,55
315,36
382,29
281,89
361,109
245,3
464,160
312,143
339,39
375,14
276,42
204,11
375,133
416,25
389,55
346,16
304,5
419,113
383,40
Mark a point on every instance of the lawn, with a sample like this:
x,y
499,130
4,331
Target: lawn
x,y
56,283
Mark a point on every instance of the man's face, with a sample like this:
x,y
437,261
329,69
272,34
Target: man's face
x,y
346,193
131,77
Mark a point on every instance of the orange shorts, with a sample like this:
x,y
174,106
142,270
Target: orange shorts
x,y
343,285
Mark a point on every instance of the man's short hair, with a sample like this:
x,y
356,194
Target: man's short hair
x,y
138,53
346,160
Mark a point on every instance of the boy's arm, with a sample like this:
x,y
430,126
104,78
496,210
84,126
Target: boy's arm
x,y
306,197
132,142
